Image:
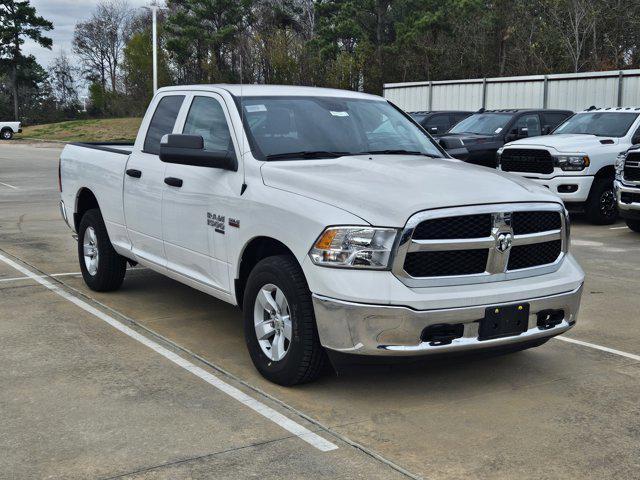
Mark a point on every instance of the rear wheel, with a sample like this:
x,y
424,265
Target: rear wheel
x,y
602,206
103,269
7,134
279,323
634,225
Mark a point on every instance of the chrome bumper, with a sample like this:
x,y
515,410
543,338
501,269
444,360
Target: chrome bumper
x,y
63,213
624,208
395,331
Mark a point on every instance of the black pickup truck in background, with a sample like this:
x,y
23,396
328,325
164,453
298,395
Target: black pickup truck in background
x,y
484,132
439,122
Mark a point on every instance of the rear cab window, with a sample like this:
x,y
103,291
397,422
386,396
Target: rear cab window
x,y
162,122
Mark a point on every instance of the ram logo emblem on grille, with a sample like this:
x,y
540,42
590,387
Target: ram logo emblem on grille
x,y
503,242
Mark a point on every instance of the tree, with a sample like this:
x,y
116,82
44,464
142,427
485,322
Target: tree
x,y
100,40
203,35
137,68
18,20
62,80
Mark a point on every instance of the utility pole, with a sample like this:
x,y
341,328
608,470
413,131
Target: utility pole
x,y
154,14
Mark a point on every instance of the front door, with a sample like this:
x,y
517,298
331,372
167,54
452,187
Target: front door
x,y
196,214
144,184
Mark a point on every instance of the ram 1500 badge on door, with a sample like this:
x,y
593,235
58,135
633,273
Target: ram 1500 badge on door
x,y
334,221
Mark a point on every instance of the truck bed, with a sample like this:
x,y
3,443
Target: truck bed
x,y
113,147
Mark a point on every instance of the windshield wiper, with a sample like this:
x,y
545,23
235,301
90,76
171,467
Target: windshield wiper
x,y
399,152
306,154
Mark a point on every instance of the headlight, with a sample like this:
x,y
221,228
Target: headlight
x,y
572,162
354,247
620,164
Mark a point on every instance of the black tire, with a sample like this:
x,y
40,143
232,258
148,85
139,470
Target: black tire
x,y
305,357
634,225
601,207
6,134
111,267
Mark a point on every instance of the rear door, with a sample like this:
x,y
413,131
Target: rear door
x,y
196,216
144,182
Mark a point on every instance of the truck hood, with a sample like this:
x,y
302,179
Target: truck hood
x,y
567,143
385,190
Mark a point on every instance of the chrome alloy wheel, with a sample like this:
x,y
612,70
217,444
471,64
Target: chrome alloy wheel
x,y
90,250
6,135
272,322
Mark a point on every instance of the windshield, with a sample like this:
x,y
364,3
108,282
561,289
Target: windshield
x,y
324,127
601,124
483,123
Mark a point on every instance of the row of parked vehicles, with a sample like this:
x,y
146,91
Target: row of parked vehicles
x,y
586,158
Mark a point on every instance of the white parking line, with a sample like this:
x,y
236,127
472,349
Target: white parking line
x,y
269,413
632,356
65,274
10,186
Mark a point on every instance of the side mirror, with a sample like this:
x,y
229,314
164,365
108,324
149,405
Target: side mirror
x,y
433,129
523,132
635,140
189,150
454,147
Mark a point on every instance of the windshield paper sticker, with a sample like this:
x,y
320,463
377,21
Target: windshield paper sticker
x,y
339,114
498,130
255,108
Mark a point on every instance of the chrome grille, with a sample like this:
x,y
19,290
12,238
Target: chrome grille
x,y
632,167
454,246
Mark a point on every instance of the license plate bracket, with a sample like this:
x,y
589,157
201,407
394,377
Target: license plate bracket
x,y
504,321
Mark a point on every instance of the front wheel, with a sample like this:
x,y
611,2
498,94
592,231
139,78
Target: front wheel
x,y
634,225
279,323
102,267
7,134
602,206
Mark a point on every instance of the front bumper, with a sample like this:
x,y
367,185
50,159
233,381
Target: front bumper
x,y
385,330
581,184
631,210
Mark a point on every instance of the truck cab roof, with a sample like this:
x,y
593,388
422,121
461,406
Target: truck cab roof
x,y
252,90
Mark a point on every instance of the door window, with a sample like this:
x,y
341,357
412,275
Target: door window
x,y
206,118
552,120
162,122
437,124
530,124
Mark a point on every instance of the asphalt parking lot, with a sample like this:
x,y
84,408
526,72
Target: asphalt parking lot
x,y
154,380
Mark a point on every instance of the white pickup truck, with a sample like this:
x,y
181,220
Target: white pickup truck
x,y
333,220
8,129
577,161
627,187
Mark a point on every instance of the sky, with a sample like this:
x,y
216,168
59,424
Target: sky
x,y
64,14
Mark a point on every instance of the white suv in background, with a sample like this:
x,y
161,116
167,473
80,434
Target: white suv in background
x,y
577,161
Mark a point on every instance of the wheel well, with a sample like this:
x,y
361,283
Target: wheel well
x,y
606,172
86,200
256,250
6,128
